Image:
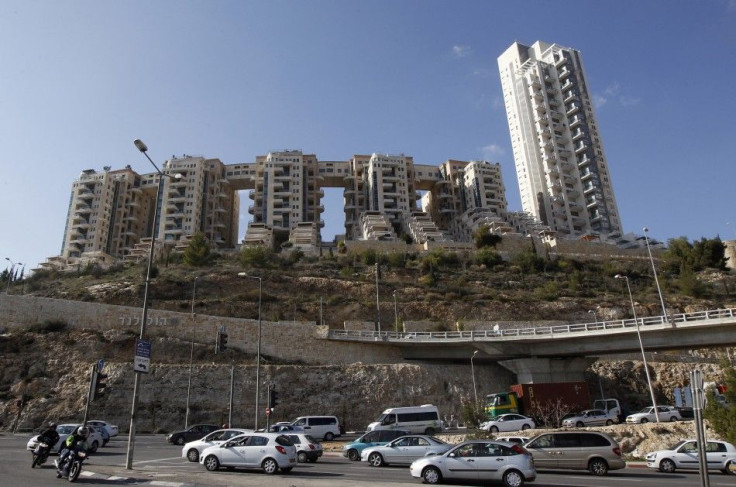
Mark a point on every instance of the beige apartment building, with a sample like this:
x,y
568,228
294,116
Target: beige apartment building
x,y
564,177
111,212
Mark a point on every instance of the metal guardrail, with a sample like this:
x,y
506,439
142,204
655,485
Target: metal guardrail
x,y
532,332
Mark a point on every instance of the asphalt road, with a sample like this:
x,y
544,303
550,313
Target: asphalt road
x,y
158,463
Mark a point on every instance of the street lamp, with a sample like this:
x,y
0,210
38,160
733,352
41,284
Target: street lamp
x,y
378,305
191,355
472,372
131,433
595,315
258,353
656,279
641,345
396,314
10,274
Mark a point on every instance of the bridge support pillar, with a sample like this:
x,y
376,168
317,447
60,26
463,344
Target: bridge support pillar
x,y
545,370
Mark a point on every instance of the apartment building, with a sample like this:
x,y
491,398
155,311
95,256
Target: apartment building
x,y
563,174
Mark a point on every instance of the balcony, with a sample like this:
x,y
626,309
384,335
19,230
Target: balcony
x,y
580,148
569,96
575,121
567,84
563,73
578,134
592,204
573,109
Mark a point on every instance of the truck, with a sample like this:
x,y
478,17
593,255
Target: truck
x,y
610,406
525,398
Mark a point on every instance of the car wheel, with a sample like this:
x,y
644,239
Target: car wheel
x,y
525,427
673,419
579,424
193,455
270,466
598,467
286,469
667,466
329,436
211,463
301,457
609,422
429,431
375,459
644,420
93,448
431,475
730,468
179,441
513,478
493,429
353,455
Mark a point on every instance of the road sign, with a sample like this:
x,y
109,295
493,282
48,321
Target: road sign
x,y
142,361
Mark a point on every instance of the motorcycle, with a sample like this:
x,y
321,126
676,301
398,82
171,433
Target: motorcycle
x,y
41,452
72,465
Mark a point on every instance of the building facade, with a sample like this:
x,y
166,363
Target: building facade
x,y
563,174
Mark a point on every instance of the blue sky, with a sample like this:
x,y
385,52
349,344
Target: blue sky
x,y
235,79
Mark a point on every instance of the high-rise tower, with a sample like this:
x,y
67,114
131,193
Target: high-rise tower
x,y
564,178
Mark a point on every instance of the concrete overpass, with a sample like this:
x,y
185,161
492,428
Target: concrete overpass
x,y
559,353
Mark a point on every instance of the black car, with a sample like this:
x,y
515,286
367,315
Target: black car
x,y
193,433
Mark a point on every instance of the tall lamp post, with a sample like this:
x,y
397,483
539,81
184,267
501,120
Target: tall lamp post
x,y
191,356
258,352
131,433
656,279
396,314
10,274
641,345
472,372
378,305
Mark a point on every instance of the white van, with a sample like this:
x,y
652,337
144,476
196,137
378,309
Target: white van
x,y
424,419
321,427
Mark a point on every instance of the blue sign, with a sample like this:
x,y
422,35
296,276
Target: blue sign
x,y
100,365
142,361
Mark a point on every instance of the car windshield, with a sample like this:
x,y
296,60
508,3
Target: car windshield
x,y
311,439
646,410
678,444
65,430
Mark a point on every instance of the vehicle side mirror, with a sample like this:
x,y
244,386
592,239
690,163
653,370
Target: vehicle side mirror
x,y
452,455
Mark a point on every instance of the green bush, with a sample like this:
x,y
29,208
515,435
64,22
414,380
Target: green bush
x,y
256,256
488,257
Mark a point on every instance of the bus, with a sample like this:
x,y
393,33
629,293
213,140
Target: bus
x,y
424,419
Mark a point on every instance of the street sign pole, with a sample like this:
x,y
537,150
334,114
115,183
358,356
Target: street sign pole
x,y
92,380
696,384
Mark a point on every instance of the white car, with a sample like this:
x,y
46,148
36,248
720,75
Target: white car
x,y
94,440
508,422
193,449
590,417
666,413
519,440
720,455
268,451
478,460
404,450
308,449
111,429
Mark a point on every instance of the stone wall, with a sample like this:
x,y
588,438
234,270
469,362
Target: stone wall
x,y
291,342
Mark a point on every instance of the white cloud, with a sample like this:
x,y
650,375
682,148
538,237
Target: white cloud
x,y
612,94
612,89
485,73
629,101
461,51
492,151
599,101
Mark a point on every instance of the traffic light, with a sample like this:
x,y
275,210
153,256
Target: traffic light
x,y
98,389
273,398
221,340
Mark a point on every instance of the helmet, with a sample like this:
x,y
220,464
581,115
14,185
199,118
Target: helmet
x,y
83,431
52,424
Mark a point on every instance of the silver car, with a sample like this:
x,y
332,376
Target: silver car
x,y
270,452
582,450
478,460
193,449
404,450
590,417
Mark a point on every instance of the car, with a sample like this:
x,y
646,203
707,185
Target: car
x,y
94,440
720,455
590,417
322,427
372,438
513,439
270,452
478,460
112,430
404,450
101,431
307,448
594,451
275,427
508,422
285,428
192,449
192,433
666,413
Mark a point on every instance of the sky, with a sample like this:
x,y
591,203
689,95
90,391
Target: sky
x,y
80,80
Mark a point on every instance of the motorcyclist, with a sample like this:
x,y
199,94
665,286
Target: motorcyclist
x,y
78,439
49,435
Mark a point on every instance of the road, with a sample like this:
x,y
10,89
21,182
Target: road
x,y
157,463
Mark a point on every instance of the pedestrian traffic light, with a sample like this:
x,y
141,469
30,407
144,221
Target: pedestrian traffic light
x,y
273,398
222,341
98,389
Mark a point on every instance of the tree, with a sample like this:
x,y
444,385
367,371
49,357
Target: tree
x,y
197,252
723,418
682,256
484,238
255,256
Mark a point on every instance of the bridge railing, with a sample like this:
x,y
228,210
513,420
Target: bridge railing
x,y
531,332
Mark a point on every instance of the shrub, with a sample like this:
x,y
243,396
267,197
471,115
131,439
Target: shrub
x,y
256,256
488,257
48,326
